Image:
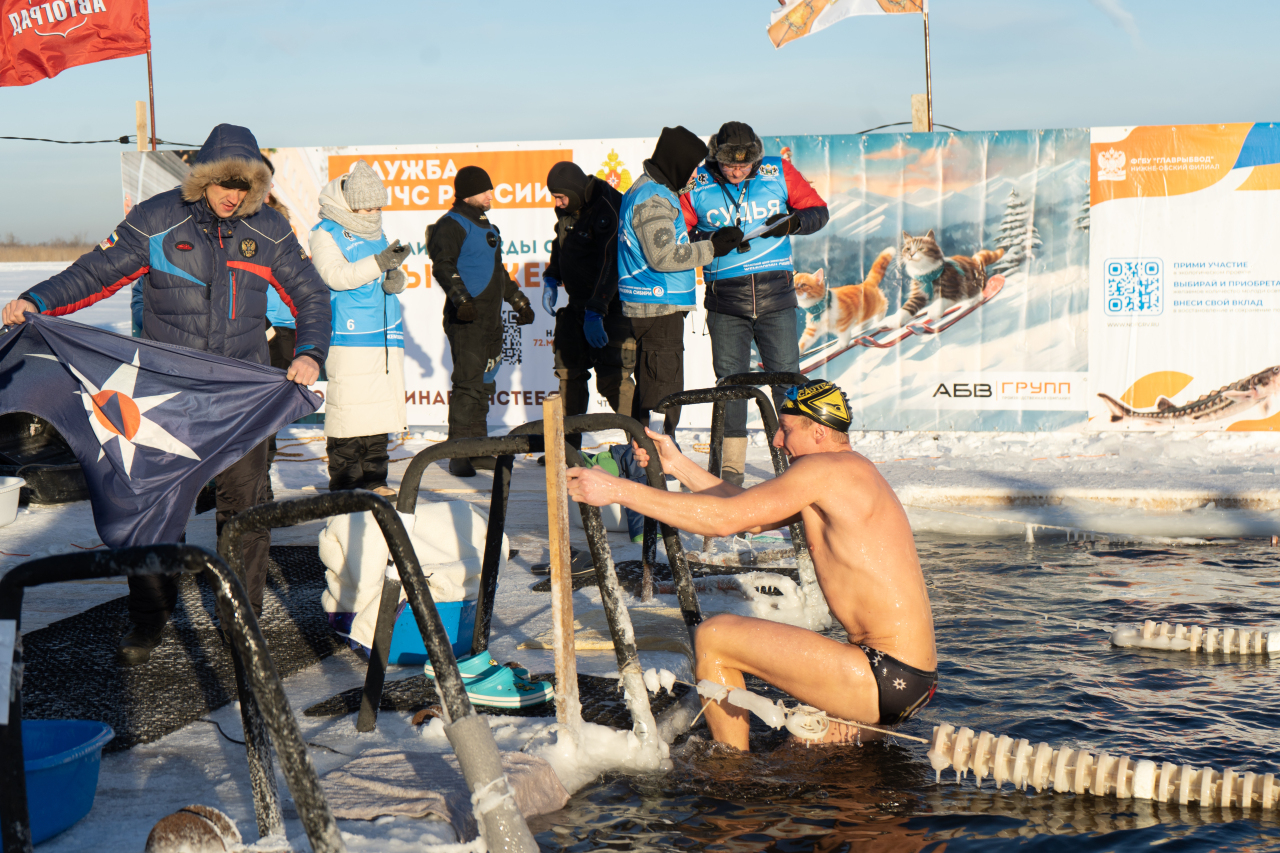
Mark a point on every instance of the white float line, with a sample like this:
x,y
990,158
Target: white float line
x,y
1079,771
1074,534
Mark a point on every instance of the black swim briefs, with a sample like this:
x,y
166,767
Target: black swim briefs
x,y
904,690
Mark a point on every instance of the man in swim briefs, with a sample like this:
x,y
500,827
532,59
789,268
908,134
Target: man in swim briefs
x,y
863,553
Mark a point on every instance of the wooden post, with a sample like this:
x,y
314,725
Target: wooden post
x,y
919,114
140,122
928,72
568,708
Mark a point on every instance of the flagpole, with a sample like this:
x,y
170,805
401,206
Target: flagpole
x,y
928,76
151,93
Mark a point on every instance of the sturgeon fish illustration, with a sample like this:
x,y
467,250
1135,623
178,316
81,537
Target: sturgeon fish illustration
x,y
1228,402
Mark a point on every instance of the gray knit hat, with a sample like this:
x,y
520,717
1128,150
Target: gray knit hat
x,y
363,189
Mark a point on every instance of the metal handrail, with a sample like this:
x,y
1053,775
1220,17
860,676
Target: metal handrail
x,y
481,764
247,646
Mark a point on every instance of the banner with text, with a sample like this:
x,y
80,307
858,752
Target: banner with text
x,y
1185,277
948,290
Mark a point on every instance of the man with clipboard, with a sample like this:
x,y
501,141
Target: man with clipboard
x,y
749,292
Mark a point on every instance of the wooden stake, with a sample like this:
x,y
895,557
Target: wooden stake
x,y
568,708
928,72
140,122
919,114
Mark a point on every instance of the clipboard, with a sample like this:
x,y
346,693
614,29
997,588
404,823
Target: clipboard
x,y
754,233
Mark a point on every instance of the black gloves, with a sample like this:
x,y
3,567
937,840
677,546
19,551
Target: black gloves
x,y
524,311
466,312
726,240
782,229
394,282
392,256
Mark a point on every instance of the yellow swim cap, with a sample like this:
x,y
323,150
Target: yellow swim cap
x,y
819,401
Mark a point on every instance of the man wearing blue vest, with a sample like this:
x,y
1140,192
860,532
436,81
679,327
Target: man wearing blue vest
x,y
466,259
657,281
750,295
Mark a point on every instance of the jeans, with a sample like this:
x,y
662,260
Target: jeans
x,y
776,338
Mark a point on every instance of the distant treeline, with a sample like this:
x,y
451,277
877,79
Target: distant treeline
x,y
61,249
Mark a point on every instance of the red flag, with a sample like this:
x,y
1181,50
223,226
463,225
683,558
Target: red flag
x,y
41,39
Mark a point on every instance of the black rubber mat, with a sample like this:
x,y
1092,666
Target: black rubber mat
x,y
71,671
631,574
601,698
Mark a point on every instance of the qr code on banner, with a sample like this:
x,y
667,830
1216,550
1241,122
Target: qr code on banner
x,y
511,353
1134,286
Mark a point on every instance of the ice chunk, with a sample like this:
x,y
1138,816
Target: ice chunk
x,y
651,680
767,711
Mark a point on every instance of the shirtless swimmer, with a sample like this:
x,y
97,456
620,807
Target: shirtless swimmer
x,y
863,553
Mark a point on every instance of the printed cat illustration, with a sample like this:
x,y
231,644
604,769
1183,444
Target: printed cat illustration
x,y
849,309
938,281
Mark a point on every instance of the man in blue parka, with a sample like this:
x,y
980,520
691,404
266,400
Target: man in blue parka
x,y
209,250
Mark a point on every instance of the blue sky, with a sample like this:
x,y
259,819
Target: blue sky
x,y
384,72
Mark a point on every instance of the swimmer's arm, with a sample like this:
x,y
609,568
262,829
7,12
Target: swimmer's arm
x,y
690,474
772,504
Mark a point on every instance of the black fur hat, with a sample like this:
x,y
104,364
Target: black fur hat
x,y
734,143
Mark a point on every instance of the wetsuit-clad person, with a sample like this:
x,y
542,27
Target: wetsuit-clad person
x,y
863,553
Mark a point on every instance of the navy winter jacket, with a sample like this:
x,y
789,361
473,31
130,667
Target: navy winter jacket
x,y
206,278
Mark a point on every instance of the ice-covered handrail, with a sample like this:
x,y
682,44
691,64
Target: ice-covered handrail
x,y
1193,638
1079,771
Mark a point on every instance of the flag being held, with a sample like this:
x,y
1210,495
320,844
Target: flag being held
x,y
150,423
40,40
798,18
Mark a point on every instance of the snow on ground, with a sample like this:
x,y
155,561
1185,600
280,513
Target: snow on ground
x,y
1216,484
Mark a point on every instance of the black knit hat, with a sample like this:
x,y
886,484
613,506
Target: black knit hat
x,y
735,143
677,154
567,178
471,180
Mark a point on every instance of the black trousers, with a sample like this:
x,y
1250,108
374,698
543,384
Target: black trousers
x,y
473,346
659,366
575,359
281,349
152,598
357,463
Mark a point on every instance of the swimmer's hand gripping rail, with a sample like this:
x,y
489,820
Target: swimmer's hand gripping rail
x,y
249,650
473,742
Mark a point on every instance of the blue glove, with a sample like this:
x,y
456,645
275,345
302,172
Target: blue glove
x,y
593,328
550,293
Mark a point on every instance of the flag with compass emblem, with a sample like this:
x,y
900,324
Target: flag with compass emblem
x,y
150,423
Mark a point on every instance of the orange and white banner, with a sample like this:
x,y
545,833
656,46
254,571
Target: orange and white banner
x,y
1185,277
799,18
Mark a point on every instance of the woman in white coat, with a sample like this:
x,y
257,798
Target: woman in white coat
x,y
365,398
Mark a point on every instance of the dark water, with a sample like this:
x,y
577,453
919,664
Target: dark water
x,y
1008,673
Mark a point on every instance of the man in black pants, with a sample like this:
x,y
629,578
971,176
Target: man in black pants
x,y
591,331
214,224
466,259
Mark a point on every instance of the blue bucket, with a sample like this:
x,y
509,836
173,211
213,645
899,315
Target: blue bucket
x,y
61,760
459,618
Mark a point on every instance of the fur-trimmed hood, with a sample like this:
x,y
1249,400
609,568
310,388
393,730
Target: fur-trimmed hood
x,y
230,152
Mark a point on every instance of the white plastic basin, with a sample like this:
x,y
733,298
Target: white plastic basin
x,y
9,487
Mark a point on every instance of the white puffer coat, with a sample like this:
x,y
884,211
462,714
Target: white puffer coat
x,y
366,384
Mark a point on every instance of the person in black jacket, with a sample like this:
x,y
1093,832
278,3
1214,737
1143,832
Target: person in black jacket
x,y
591,331
466,259
209,250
